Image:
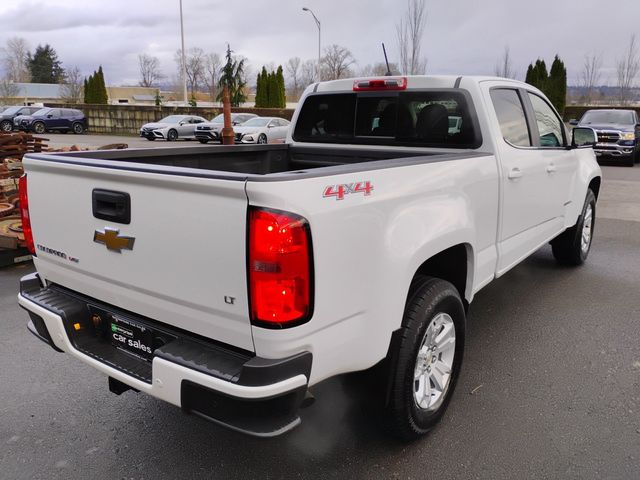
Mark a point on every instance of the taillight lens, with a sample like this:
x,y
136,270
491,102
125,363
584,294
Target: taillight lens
x,y
280,268
24,213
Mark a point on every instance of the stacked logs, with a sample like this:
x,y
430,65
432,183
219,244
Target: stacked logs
x,y
13,146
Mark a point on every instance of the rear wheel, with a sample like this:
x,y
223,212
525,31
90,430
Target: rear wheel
x,y
573,245
262,139
6,126
428,357
172,135
39,128
77,128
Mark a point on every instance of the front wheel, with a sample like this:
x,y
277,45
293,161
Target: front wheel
x,y
203,140
573,245
151,139
262,139
39,128
172,135
6,126
427,360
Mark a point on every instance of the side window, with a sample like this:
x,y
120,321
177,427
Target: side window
x,y
549,125
510,112
55,113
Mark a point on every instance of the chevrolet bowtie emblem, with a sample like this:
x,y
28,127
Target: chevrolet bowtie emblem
x,y
112,239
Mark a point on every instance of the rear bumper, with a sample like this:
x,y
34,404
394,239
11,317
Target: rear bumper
x,y
250,394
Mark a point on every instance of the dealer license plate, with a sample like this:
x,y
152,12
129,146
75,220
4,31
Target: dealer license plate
x,y
131,337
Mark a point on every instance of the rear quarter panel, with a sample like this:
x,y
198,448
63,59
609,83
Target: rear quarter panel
x,y
367,249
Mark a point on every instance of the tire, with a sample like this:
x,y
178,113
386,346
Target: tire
x,y
6,126
262,139
77,128
151,139
631,161
433,305
172,135
573,245
39,128
203,140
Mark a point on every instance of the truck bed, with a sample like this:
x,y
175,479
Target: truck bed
x,y
250,160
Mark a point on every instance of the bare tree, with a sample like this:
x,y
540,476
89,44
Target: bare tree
x,y
195,61
409,33
377,69
293,73
504,67
72,89
590,76
336,62
212,65
8,91
307,73
14,60
149,70
627,69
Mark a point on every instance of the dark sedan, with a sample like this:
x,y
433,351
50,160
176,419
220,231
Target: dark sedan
x,y
53,119
9,113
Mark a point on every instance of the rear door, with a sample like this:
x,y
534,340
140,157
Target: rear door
x,y
187,263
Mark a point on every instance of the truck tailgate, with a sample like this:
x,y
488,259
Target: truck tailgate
x,y
187,265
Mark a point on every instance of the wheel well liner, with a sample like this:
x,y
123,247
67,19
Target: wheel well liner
x,y
450,265
594,185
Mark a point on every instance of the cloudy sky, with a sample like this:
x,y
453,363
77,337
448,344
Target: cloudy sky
x,y
462,36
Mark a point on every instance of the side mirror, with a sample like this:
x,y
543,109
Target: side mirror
x,y
583,137
49,116
573,121
181,123
269,126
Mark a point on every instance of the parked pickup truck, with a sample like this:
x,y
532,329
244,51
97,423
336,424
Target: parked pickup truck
x,y
230,280
618,133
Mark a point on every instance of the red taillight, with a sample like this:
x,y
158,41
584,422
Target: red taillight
x,y
280,268
390,83
24,213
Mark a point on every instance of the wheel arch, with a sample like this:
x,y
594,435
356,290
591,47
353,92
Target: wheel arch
x,y
594,185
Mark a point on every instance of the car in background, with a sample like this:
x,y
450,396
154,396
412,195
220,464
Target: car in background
x,y
52,120
618,133
7,116
212,131
262,130
172,128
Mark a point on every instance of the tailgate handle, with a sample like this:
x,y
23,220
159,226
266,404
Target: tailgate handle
x,y
111,205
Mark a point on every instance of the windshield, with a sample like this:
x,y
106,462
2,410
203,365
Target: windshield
x,y
218,119
42,111
11,110
256,122
172,119
608,116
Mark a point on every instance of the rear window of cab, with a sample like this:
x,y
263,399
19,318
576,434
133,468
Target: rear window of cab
x,y
428,118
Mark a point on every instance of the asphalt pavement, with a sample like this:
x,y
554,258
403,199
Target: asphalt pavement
x,y
550,388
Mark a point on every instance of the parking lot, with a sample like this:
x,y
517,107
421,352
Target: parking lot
x,y
58,140
550,388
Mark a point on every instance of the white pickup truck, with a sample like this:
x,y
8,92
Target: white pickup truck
x,y
230,280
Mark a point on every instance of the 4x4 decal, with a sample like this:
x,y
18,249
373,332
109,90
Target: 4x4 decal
x,y
339,191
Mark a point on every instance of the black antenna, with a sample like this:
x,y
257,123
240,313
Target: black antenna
x,y
384,50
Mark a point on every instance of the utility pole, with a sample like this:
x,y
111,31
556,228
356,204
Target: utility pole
x,y
184,62
319,55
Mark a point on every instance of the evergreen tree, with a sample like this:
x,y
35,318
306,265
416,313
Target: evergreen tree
x,y
86,90
102,96
45,66
282,98
273,90
232,76
557,88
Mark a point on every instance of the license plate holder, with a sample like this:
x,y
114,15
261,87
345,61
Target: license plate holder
x,y
131,337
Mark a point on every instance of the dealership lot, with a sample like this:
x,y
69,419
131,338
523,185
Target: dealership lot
x,y
550,388
58,140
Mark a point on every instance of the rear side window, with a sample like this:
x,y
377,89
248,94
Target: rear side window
x,y
428,118
510,112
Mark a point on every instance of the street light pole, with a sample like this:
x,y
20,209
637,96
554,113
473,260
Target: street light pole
x,y
318,25
184,62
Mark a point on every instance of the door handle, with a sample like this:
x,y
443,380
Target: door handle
x,y
514,173
551,168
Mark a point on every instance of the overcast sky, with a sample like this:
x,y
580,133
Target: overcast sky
x,y
462,36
